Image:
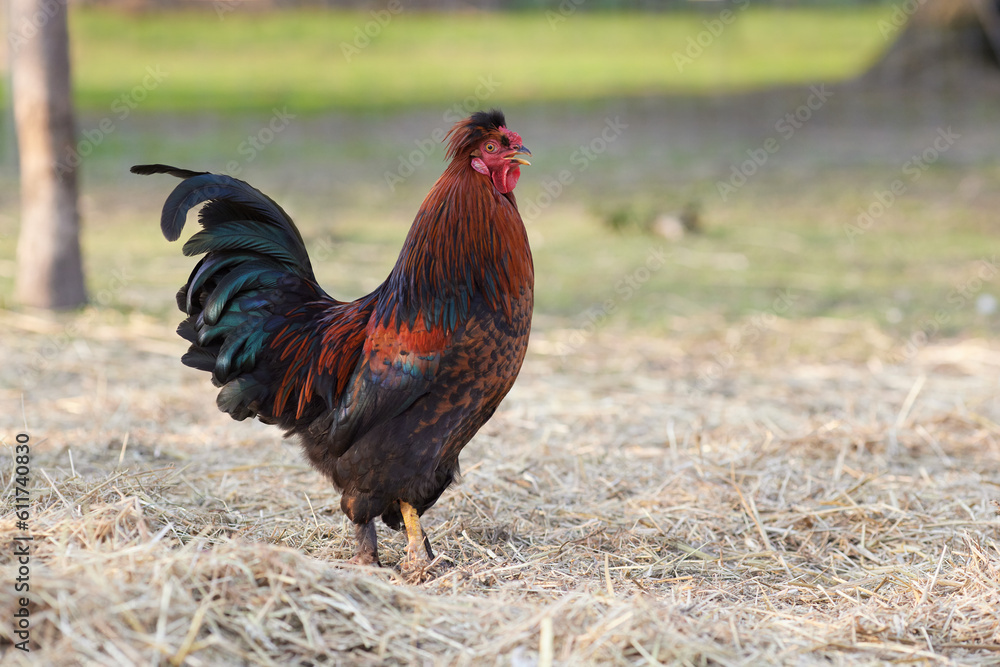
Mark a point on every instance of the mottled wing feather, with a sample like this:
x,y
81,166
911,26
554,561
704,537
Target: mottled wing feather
x,y
397,365
405,356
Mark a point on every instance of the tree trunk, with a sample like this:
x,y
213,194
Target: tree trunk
x,y
49,265
939,39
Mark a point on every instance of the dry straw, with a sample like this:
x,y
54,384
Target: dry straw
x,y
809,505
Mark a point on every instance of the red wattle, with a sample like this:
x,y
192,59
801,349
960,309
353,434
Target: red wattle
x,y
506,179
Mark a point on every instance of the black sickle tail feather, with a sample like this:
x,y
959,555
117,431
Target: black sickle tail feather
x,y
228,198
148,169
254,282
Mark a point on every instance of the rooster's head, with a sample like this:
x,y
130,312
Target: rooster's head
x,y
482,142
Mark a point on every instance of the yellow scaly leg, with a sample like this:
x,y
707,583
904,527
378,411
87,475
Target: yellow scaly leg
x,y
418,547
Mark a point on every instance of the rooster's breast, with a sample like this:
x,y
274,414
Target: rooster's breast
x,y
414,456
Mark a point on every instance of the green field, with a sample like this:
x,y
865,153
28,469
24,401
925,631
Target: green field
x,y
312,61
784,231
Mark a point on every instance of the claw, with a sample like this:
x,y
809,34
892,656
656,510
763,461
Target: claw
x,y
419,556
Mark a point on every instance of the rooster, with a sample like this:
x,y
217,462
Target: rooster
x,y
385,391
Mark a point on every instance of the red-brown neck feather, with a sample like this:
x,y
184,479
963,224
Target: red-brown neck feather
x,y
467,239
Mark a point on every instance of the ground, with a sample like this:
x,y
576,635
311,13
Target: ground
x,y
621,508
780,446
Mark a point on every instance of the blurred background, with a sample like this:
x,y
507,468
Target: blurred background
x,y
697,165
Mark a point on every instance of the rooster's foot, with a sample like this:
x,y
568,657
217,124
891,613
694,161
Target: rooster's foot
x,y
367,548
418,564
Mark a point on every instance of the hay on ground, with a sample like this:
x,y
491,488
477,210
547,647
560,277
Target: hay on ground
x,y
636,501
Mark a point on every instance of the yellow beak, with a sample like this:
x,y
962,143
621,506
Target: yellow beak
x,y
520,160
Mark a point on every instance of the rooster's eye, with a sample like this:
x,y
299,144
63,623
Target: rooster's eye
x,y
490,147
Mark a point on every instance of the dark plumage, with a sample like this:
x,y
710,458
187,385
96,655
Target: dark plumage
x,y
383,392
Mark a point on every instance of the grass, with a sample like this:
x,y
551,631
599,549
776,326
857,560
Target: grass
x,y
785,231
246,61
897,276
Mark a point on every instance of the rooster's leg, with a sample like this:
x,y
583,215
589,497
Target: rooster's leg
x,y
418,547
367,549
